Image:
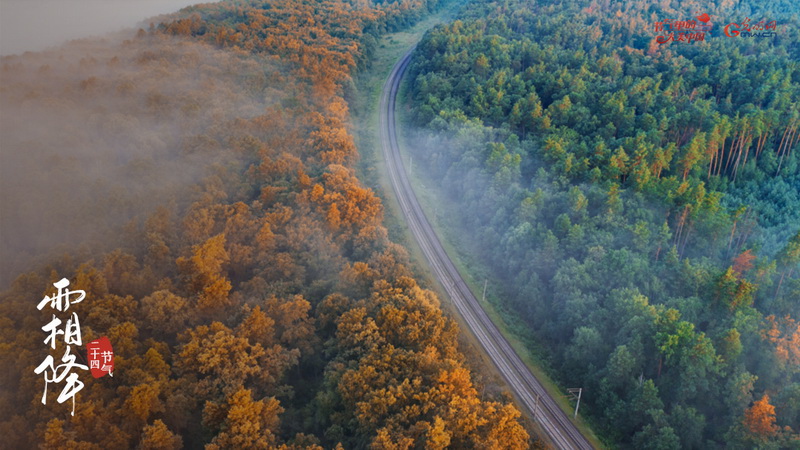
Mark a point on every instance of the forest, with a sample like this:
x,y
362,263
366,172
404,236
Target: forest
x,y
197,180
636,204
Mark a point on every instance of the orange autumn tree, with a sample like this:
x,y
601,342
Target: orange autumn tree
x,y
205,267
243,421
158,436
784,334
743,262
759,419
224,304
399,377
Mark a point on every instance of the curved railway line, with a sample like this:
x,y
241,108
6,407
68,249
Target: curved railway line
x,y
531,394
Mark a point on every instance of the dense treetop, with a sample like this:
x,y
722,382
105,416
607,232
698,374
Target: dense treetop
x,y
261,305
638,202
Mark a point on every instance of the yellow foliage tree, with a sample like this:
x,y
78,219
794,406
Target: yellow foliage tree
x,y
759,419
247,424
158,437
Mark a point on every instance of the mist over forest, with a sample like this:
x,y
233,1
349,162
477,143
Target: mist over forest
x,y
102,131
34,25
197,180
634,206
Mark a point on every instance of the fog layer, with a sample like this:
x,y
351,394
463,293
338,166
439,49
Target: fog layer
x,y
32,25
99,133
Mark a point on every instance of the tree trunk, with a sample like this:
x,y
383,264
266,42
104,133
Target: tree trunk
x,y
711,164
685,239
731,150
743,142
733,231
780,282
786,149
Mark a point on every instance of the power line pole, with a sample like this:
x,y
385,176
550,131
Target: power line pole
x,y
485,283
578,404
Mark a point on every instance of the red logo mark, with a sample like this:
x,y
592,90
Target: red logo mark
x,y
683,30
101,357
762,28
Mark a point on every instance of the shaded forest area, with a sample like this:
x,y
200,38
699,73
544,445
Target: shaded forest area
x,y
239,268
638,205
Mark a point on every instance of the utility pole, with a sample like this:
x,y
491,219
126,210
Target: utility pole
x,y
410,165
578,404
485,283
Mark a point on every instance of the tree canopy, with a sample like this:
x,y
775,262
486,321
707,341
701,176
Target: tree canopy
x,y
636,203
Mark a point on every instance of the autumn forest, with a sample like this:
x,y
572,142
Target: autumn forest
x,y
203,179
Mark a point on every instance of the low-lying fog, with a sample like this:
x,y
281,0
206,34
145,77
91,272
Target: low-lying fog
x,y
33,25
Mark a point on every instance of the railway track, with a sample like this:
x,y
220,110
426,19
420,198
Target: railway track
x,y
533,397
